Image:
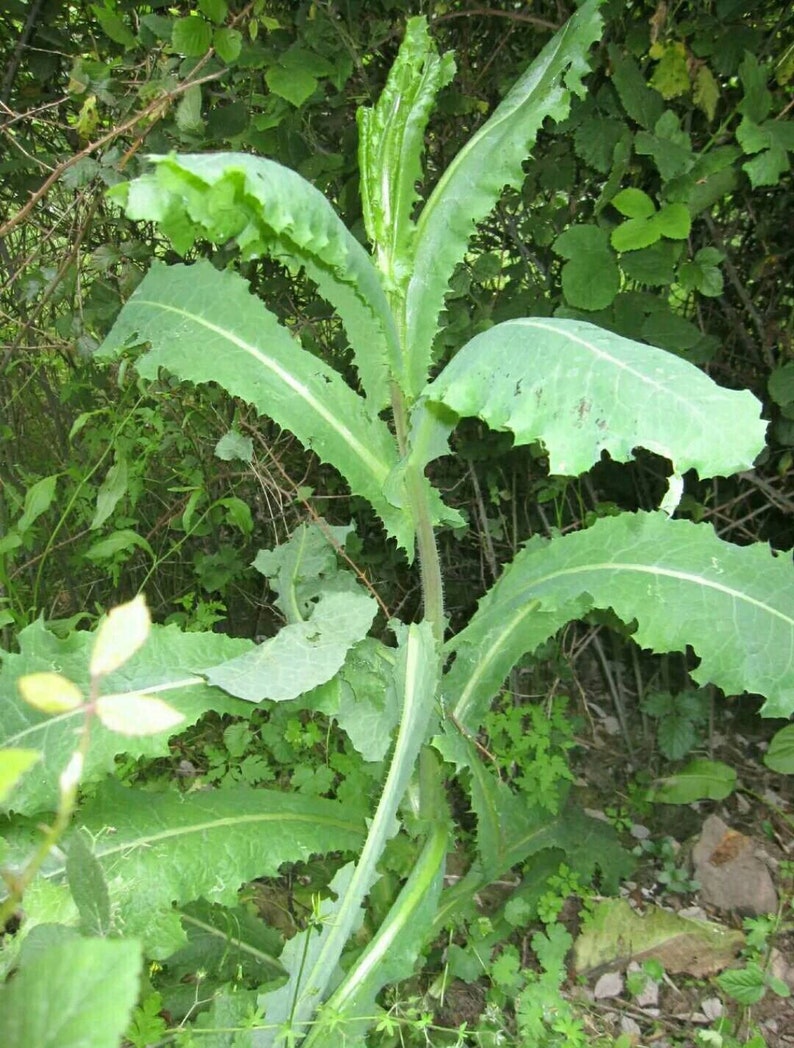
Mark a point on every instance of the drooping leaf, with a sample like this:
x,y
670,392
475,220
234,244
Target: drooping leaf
x,y
270,210
227,942
282,1007
88,886
112,489
38,499
583,390
302,655
733,605
205,326
157,849
490,161
391,143
169,658
76,994
362,697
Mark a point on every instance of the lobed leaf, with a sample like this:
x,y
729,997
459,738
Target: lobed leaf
x,y
490,161
270,210
204,326
160,849
582,390
733,605
167,664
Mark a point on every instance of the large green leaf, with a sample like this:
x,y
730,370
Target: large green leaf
x,y
583,390
491,160
159,849
391,143
733,605
270,210
168,664
78,993
204,326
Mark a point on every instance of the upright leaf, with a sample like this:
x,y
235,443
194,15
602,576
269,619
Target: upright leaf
x,y
490,161
583,390
416,672
733,605
204,326
391,954
270,210
391,143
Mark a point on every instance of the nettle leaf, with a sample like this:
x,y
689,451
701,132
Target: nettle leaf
x,y
684,586
160,849
391,143
642,103
167,665
270,210
302,655
582,390
78,993
490,161
203,325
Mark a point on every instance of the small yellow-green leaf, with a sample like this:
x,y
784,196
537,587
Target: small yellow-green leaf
x,y
707,91
135,714
13,765
50,692
120,635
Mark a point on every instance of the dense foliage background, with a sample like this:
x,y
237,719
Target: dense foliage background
x,y
687,104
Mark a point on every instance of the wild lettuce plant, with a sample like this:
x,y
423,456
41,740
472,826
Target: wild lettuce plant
x,y
417,704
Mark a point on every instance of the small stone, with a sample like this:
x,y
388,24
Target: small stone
x,y
609,985
711,1008
731,876
629,1026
